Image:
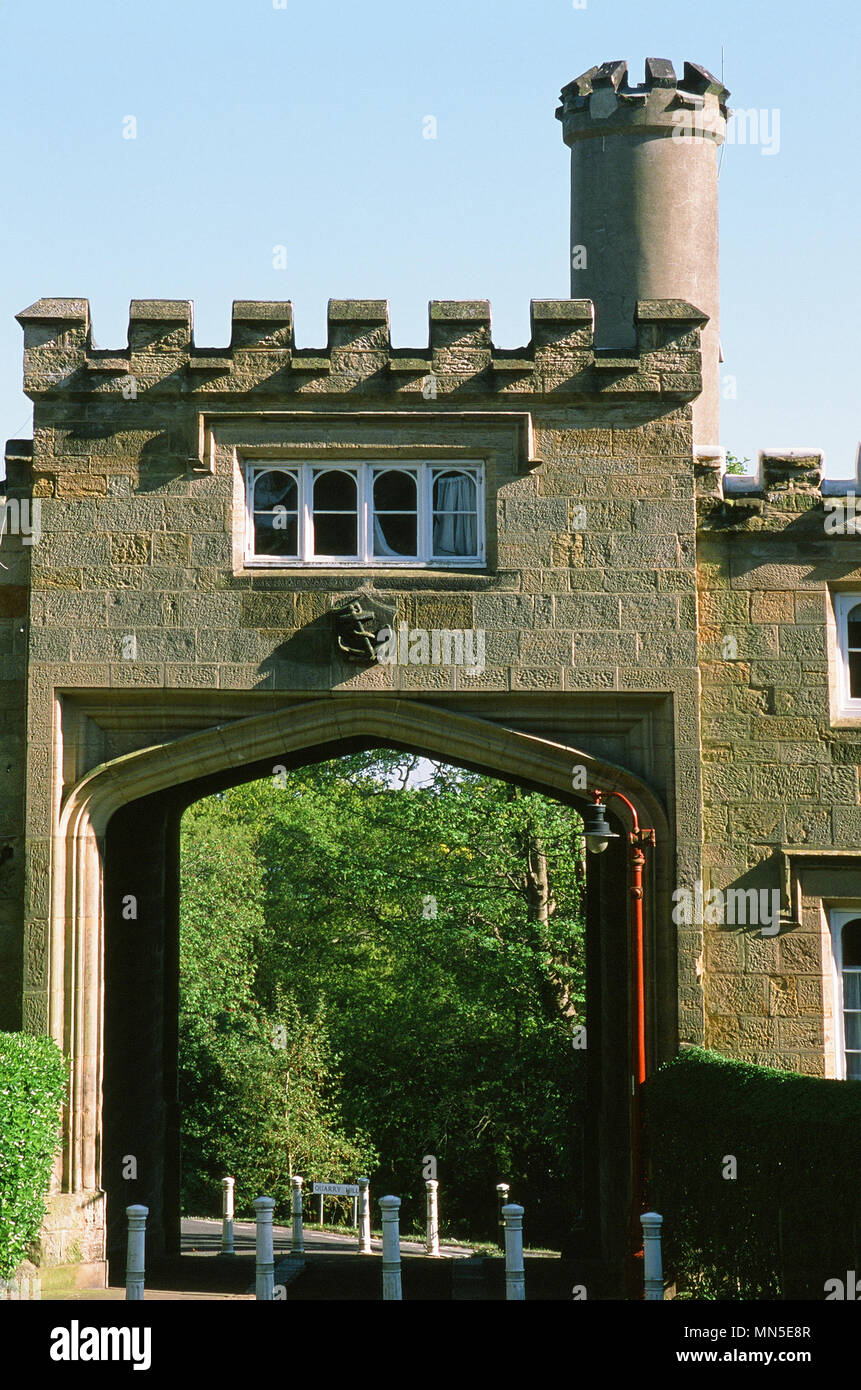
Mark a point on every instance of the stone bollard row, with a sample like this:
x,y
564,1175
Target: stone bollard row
x,y
136,1253
653,1272
432,1202
265,1271
515,1279
228,1187
297,1241
502,1191
390,1207
364,1246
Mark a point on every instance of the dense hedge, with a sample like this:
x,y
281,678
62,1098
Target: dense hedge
x,y
791,1218
32,1089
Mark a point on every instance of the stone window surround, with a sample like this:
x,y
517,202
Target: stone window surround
x,y
844,709
249,462
818,885
502,440
837,920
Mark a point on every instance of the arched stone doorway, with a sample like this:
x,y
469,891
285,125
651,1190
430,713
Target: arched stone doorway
x,y
116,1013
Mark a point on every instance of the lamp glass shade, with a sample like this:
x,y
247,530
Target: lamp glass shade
x,y
596,829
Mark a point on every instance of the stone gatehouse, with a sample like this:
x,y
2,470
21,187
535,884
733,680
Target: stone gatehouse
x,y
185,520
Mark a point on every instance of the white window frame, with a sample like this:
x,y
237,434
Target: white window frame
x,y
837,919
364,470
843,605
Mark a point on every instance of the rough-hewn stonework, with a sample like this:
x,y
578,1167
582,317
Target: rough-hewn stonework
x,y
662,629
780,775
141,624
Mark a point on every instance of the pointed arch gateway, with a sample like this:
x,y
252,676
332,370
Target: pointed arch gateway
x,y
118,834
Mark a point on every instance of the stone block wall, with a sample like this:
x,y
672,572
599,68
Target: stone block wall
x,y
617,567
780,774
16,552
676,629
590,581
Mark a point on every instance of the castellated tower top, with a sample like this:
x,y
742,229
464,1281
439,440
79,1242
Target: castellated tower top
x,y
644,202
605,91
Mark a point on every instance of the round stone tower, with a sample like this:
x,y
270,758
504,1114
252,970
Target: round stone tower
x,y
644,203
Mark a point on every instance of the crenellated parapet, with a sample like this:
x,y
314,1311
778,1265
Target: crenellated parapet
x,y
604,95
162,360
788,487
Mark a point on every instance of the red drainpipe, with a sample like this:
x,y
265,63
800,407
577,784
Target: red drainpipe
x,y
637,838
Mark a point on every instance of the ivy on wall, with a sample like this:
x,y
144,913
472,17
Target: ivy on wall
x,y
32,1090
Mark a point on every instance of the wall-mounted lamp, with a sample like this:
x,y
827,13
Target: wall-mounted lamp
x,y
596,828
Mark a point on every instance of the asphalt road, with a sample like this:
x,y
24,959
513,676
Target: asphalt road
x,y
203,1236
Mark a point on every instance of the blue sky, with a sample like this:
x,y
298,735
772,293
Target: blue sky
x,y
302,127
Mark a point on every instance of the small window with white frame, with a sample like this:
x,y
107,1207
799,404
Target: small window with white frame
x,y
847,611
312,512
846,947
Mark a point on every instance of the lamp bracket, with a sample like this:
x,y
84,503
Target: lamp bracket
x,y
644,836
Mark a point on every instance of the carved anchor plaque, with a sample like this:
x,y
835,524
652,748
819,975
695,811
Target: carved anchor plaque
x,y
357,622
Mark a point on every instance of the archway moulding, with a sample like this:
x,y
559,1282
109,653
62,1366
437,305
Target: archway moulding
x,y
76,988
416,724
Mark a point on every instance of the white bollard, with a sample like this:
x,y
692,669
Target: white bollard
x,y
355,1213
136,1253
364,1217
265,1285
432,1237
391,1249
227,1189
515,1280
297,1242
502,1191
653,1272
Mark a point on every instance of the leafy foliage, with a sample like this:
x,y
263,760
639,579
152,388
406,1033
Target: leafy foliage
x,y
32,1090
735,466
256,1084
791,1218
437,931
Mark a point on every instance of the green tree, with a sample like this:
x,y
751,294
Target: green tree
x,y
258,1084
441,924
736,466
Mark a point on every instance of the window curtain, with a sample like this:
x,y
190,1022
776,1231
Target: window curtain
x,y
381,545
455,524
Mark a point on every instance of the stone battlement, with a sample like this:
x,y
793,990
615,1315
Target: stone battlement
x,y
695,84
787,488
162,360
778,471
